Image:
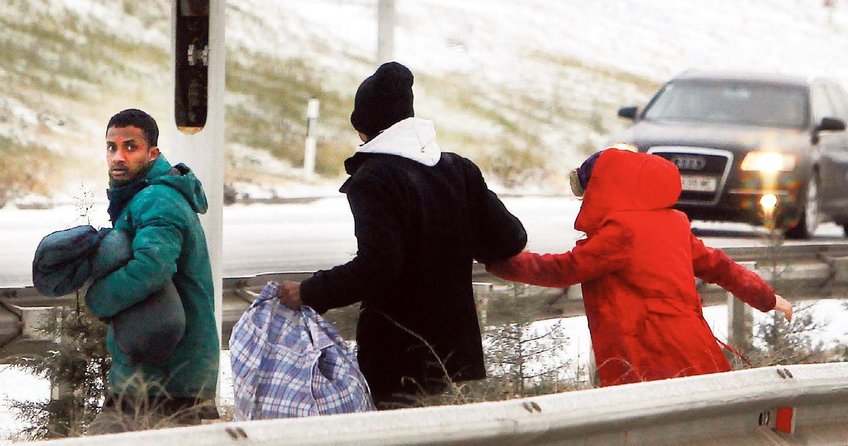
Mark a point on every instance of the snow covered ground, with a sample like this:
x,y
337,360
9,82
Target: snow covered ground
x,y
17,386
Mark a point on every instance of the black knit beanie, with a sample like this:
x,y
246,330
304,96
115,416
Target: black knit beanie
x,y
383,99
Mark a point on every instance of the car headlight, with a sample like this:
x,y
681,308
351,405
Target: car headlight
x,y
768,161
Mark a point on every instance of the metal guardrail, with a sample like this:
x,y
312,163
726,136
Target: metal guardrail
x,y
792,405
797,271
799,404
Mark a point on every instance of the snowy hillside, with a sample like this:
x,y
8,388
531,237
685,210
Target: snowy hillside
x,y
526,88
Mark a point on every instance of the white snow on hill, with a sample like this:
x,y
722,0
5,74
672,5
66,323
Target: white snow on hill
x,y
591,57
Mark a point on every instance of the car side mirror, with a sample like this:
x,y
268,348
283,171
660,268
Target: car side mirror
x,y
628,112
832,124
827,125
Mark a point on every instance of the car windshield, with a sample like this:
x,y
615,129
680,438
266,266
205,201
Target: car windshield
x,y
758,104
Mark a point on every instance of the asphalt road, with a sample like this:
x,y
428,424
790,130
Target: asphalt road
x,y
319,234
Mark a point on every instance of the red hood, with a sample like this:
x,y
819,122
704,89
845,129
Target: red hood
x,y
627,181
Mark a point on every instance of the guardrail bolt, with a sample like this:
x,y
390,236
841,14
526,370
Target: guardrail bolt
x,y
236,433
531,407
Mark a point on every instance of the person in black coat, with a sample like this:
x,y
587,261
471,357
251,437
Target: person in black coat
x,y
421,216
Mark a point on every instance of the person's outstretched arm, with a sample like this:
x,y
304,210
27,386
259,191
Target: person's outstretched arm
x,y
714,266
498,234
603,253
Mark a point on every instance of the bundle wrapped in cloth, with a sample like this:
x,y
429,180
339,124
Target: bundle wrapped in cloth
x,y
66,260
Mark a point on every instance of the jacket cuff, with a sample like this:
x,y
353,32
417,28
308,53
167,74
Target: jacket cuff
x,y
313,293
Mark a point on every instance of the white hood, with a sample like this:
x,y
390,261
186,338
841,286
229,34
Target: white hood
x,y
411,138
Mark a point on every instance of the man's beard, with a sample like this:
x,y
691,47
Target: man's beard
x,y
118,183
136,176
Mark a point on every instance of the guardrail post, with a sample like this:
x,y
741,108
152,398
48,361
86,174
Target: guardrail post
x,y
60,389
10,326
740,321
840,269
482,293
593,368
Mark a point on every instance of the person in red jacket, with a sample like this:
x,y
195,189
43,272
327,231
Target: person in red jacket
x,y
637,267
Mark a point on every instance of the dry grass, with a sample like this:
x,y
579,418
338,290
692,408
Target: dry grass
x,y
516,136
135,414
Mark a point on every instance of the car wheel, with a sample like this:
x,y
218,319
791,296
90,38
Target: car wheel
x,y
809,220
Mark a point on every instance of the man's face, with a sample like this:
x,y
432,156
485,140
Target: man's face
x,y
127,153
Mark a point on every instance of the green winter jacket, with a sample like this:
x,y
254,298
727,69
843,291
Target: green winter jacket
x,y
160,215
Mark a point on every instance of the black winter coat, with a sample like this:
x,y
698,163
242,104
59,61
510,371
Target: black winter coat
x,y
418,229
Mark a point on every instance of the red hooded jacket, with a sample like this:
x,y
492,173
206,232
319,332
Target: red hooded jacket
x,y
637,266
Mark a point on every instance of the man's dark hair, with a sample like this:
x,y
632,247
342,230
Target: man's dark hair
x,y
133,117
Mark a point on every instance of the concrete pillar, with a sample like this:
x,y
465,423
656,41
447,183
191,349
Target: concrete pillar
x,y
198,131
385,31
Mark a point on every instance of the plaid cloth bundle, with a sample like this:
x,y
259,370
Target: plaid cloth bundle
x,y
292,363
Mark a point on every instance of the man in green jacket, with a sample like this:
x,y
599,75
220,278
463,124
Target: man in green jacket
x,y
157,205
